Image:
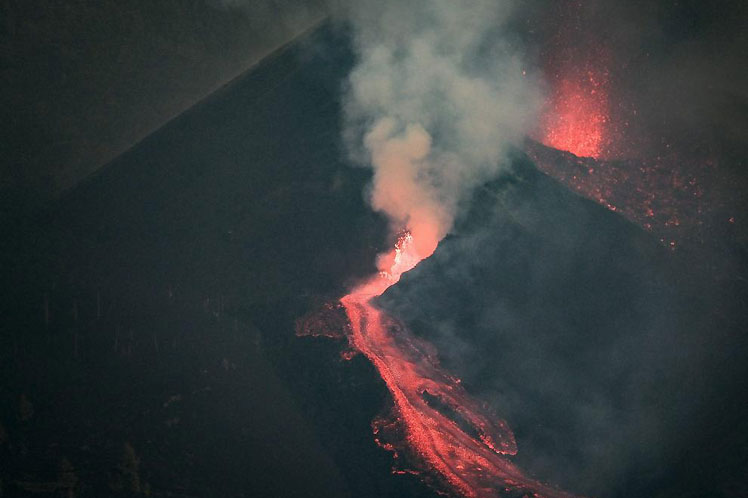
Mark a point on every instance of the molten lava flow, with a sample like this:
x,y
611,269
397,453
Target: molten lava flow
x,y
442,426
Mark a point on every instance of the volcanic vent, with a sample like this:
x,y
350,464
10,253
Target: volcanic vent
x,y
439,428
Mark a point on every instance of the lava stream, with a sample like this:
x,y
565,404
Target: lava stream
x,y
443,426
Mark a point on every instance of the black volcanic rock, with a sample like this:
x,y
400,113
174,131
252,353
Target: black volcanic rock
x,y
608,356
148,315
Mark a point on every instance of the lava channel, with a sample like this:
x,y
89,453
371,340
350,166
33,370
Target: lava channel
x,y
446,430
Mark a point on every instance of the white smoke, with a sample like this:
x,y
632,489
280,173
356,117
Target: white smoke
x,y
435,99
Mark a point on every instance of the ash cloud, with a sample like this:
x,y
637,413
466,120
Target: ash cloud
x,y
437,96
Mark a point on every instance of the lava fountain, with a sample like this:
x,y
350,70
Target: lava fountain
x,y
441,427
576,63
577,119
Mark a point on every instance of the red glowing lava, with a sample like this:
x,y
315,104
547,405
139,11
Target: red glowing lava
x,y
441,427
602,145
576,61
576,119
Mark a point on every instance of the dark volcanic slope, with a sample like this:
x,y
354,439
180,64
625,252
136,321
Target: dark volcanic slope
x,y
619,364
147,332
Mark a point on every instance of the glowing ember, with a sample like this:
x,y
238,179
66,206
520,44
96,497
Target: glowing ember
x,y
434,420
680,192
577,116
393,264
676,204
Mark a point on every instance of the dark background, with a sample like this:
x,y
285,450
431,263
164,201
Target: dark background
x,y
84,80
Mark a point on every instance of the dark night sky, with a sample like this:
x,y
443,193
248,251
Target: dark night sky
x,y
82,81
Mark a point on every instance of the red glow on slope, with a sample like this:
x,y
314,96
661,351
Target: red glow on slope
x,y
677,186
680,198
434,421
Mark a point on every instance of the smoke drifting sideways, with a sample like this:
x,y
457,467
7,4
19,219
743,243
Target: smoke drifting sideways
x,y
437,96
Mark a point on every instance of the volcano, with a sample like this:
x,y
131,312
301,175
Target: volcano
x,y
149,335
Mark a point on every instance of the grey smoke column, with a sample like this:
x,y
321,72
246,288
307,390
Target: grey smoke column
x,y
436,97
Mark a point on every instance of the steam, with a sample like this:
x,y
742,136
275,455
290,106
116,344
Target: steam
x,y
437,97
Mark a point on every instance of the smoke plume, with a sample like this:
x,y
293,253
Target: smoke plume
x,y
438,94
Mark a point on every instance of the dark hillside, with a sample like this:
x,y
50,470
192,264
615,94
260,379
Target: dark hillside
x,y
618,363
147,339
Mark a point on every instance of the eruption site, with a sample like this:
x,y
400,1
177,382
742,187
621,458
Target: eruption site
x,y
594,135
577,119
436,98
434,422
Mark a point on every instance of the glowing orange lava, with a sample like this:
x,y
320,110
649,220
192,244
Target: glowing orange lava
x,y
577,63
443,427
577,115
